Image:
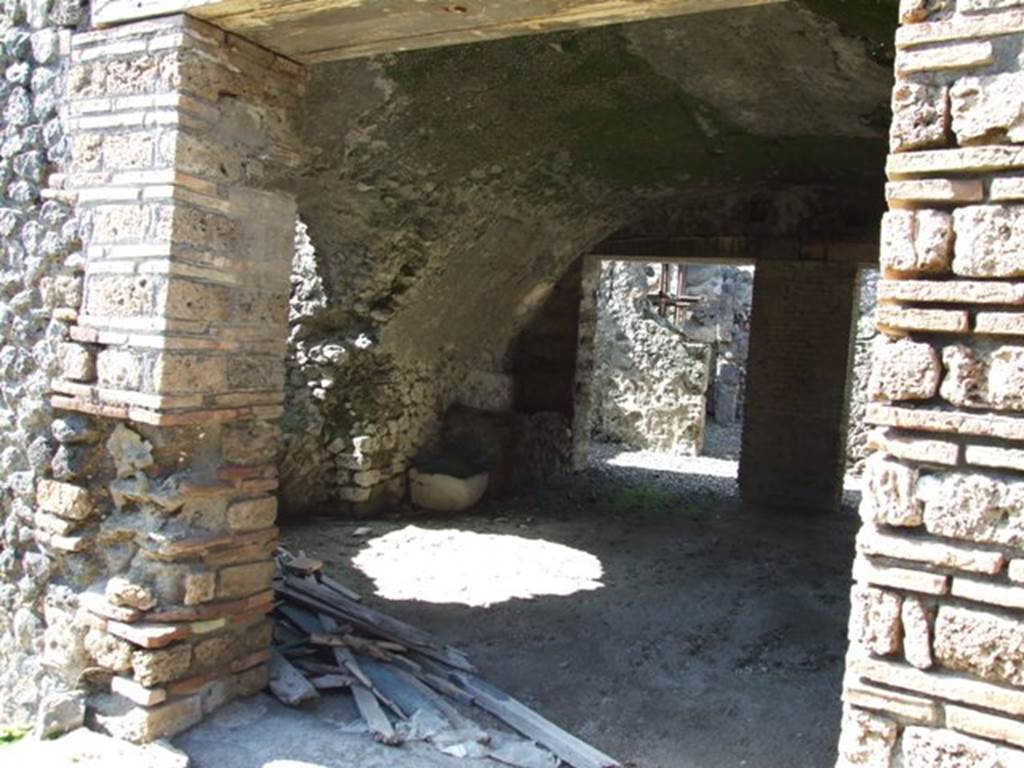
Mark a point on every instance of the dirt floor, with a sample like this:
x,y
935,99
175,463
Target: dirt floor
x,y
667,625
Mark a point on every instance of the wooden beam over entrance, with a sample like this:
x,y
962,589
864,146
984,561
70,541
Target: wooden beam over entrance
x,y
312,31
736,250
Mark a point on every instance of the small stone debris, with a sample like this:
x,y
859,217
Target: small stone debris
x,y
406,684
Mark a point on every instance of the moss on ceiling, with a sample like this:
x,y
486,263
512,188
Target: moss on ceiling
x,y
586,94
874,21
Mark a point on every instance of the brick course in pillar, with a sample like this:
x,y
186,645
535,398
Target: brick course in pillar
x,y
180,134
941,681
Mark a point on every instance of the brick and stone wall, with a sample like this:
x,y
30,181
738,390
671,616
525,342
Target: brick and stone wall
x,y
934,673
156,514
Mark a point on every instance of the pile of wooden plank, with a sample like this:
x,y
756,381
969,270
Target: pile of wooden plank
x,y
405,683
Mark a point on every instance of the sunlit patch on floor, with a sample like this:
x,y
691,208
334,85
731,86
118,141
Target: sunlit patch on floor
x,y
453,566
684,465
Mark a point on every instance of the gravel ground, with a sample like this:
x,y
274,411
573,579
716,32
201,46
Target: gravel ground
x,y
636,603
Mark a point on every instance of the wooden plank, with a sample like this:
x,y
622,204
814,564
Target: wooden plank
x,y
720,250
303,619
375,717
389,683
313,31
575,752
347,660
374,623
338,587
450,712
301,565
287,683
332,682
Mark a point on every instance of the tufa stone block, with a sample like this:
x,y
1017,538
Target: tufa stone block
x,y
154,667
989,241
76,362
241,580
920,117
995,381
252,514
175,373
988,109
108,651
63,499
916,243
973,507
890,493
981,644
875,620
904,370
123,592
121,368
917,632
200,587
867,740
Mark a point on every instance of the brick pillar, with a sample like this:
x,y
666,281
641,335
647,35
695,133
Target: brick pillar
x,y
162,511
935,671
793,423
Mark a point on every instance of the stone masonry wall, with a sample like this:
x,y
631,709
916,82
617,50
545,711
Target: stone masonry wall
x,y
865,336
156,514
935,673
722,319
649,384
40,270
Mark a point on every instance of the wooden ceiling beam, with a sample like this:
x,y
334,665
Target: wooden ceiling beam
x,y
313,31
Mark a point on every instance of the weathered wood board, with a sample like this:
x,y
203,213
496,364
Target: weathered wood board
x,y
312,31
